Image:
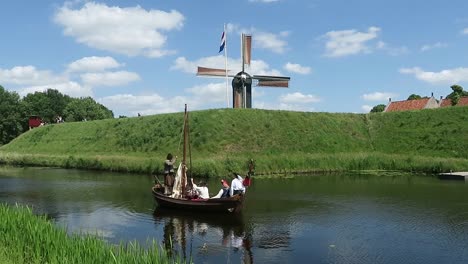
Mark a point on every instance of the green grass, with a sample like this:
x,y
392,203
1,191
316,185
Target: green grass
x,y
27,238
222,140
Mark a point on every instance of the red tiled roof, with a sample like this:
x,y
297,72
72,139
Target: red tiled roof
x,y
447,102
407,105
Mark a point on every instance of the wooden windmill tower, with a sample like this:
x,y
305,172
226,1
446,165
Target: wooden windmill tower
x,y
242,81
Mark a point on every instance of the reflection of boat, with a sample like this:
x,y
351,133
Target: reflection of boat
x,y
179,198
194,236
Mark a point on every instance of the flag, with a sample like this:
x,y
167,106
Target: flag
x,y
223,42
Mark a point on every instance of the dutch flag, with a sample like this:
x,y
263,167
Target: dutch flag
x,y
223,42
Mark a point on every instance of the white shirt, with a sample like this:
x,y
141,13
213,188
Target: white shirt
x,y
202,191
236,184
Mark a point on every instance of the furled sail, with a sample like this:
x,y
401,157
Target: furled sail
x,y
177,189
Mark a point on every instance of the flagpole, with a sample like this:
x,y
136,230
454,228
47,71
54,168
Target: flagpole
x,y
226,65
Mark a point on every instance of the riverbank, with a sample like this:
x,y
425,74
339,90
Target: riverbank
x,y
223,140
27,238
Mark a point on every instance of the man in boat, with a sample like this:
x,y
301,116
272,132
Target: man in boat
x,y
224,192
169,173
201,189
236,185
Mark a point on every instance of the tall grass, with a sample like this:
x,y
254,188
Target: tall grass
x,y
27,238
223,140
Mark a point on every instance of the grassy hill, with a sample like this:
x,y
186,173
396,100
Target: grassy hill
x,y
280,141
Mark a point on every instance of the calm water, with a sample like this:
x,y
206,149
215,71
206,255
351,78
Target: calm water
x,y
382,218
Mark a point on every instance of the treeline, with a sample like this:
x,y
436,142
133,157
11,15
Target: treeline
x,y
48,105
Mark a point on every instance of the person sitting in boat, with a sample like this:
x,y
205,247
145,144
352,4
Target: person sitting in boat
x,y
169,173
236,185
224,192
201,189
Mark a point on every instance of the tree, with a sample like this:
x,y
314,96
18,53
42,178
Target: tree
x,y
378,108
414,97
48,105
456,94
80,109
12,118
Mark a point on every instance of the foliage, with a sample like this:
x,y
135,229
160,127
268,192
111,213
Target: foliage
x,y
414,97
457,92
378,108
33,239
48,105
12,118
84,109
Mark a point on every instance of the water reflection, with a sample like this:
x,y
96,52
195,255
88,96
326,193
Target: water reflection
x,y
225,238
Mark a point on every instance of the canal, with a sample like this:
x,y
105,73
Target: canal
x,y
381,217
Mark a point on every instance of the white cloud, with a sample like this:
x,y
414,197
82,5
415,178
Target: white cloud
x,y
270,41
93,64
433,46
393,51
447,77
144,104
69,88
257,67
366,108
299,98
378,96
28,75
283,106
349,42
297,68
109,78
212,92
465,31
131,31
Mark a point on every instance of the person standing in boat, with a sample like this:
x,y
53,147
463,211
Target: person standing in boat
x,y
236,185
169,173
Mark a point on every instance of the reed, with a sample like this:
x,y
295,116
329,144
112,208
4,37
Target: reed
x,y
27,238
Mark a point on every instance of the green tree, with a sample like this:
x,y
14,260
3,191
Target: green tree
x,y
414,97
378,108
48,105
457,92
80,109
12,118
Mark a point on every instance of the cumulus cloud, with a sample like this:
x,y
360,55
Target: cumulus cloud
x,y
258,67
69,88
28,75
447,77
378,96
109,78
212,92
349,42
299,98
93,64
130,31
270,41
465,31
143,104
297,68
366,108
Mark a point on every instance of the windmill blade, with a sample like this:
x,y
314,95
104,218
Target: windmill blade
x,y
203,71
246,49
272,81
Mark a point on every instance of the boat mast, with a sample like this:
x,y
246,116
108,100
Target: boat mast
x,y
184,156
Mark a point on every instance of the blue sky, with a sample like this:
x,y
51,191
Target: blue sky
x,y
141,56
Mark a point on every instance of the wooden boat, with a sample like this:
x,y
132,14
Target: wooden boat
x,y
179,200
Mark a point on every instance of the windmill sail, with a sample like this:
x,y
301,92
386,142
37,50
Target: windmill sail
x,y
272,81
246,49
203,71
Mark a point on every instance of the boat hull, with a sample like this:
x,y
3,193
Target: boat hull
x,y
219,205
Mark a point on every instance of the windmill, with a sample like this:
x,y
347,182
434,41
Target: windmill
x,y
242,81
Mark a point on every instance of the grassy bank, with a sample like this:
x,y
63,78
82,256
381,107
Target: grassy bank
x,y
432,140
31,239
